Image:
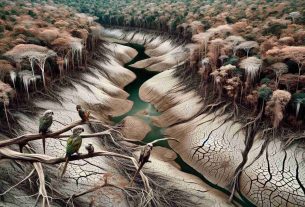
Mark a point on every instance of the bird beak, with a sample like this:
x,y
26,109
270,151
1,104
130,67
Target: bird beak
x,y
52,113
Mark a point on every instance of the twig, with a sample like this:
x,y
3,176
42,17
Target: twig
x,y
164,139
92,190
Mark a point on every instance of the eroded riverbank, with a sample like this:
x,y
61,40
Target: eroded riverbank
x,y
153,105
212,143
147,113
100,90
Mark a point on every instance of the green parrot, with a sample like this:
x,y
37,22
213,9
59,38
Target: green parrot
x,y
73,144
44,124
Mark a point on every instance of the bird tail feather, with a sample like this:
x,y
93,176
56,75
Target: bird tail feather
x,y
87,115
65,167
136,173
21,148
44,145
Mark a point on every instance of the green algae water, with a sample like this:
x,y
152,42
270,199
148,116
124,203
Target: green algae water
x,y
145,111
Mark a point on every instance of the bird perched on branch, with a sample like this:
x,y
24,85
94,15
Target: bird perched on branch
x,y
44,124
73,144
144,158
90,148
83,114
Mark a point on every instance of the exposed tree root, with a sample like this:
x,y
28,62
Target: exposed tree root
x,y
251,129
240,168
16,185
254,122
42,192
210,107
291,139
91,190
156,195
6,116
264,146
235,110
160,195
6,153
223,109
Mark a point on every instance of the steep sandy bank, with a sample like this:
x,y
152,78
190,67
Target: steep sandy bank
x,y
164,53
175,105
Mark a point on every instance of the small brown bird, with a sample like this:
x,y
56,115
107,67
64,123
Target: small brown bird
x,y
83,114
89,148
144,158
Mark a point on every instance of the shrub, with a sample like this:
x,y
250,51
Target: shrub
x,y
298,101
265,81
14,12
274,29
1,28
32,14
9,27
237,72
230,20
264,93
232,61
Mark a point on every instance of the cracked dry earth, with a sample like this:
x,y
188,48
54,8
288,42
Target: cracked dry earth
x,y
101,90
213,145
271,176
98,92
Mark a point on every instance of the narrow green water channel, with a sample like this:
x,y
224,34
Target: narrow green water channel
x,y
145,111
140,109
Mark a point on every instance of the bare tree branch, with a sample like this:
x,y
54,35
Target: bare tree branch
x,y
6,153
30,137
37,159
107,132
58,134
